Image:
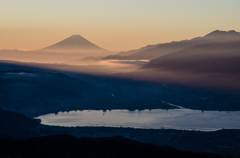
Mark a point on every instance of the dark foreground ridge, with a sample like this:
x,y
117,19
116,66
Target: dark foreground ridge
x,y
72,147
16,126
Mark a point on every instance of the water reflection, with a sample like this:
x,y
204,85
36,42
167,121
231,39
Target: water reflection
x,y
154,118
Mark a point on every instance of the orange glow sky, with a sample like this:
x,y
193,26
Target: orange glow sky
x,y
110,24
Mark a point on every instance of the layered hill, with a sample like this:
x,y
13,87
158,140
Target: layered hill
x,y
30,92
213,64
154,51
57,80
216,57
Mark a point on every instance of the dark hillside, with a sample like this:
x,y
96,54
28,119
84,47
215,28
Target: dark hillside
x,y
67,146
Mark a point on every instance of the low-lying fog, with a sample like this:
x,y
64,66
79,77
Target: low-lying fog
x,y
168,73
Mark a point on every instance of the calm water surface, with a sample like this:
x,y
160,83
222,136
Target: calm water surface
x,y
156,119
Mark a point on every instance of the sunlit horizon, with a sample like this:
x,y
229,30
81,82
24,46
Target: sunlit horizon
x,y
21,43
112,25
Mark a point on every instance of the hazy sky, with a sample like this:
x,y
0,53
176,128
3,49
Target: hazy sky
x,y
112,24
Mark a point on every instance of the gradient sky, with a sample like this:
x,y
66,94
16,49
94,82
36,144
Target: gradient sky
x,y
112,24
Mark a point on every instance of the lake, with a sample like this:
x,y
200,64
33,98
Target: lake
x,y
155,119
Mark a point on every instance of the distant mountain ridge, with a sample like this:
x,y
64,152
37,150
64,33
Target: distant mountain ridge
x,y
76,47
154,51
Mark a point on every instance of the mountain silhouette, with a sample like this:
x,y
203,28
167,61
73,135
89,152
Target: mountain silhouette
x,y
223,36
69,49
75,43
215,57
155,51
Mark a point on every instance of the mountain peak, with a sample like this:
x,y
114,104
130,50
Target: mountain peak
x,y
232,31
218,32
223,35
75,36
74,43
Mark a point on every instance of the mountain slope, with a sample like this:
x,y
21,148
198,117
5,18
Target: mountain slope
x,y
216,57
166,48
136,50
14,125
16,119
58,80
18,88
